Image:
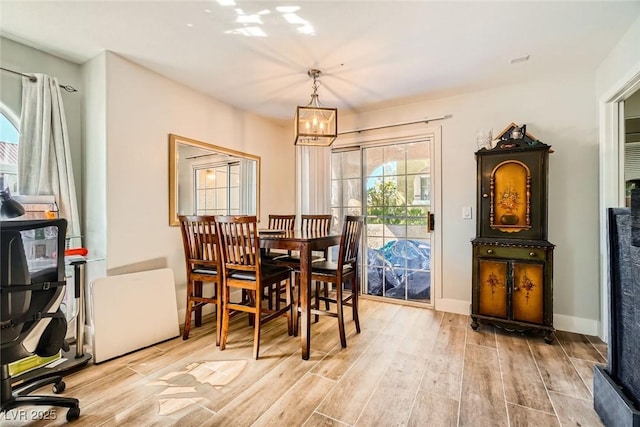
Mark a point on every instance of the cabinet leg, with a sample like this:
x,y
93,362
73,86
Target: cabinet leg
x,y
474,323
548,337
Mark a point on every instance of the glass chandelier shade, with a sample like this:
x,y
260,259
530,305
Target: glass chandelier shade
x,y
315,125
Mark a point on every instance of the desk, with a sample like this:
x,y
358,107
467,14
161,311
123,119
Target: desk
x,y
305,242
72,360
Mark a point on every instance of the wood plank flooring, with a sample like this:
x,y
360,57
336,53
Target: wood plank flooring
x,y
408,367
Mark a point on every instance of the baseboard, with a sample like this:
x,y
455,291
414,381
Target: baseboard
x,y
207,309
561,322
577,325
453,306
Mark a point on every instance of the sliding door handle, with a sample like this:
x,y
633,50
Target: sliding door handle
x,y
430,222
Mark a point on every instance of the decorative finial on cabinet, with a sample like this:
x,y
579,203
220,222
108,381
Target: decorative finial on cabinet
x,y
519,132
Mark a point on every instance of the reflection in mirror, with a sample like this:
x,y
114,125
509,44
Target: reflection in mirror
x,y
206,179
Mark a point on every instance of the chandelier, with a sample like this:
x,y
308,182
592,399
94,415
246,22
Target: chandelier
x,y
315,125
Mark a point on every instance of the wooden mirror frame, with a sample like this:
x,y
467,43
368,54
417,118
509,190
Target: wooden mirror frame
x,y
174,142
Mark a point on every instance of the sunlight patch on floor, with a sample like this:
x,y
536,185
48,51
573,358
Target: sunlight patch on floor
x,y
183,385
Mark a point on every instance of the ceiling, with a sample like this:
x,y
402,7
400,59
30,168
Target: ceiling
x,y
371,53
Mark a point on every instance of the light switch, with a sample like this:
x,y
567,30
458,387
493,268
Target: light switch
x,y
466,212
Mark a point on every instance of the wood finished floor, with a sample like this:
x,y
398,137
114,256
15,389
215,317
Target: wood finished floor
x,y
408,367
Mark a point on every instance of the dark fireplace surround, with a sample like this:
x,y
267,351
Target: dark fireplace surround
x,y
616,388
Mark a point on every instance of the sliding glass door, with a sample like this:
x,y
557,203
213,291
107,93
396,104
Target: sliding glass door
x,y
391,186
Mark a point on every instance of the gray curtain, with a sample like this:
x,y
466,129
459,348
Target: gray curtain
x,y
44,157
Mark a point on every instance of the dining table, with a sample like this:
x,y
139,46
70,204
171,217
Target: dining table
x,y
304,241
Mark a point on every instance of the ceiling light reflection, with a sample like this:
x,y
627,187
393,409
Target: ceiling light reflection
x,y
248,31
287,9
292,18
249,19
307,30
305,26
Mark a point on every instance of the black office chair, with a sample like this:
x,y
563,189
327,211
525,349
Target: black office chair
x,y
31,321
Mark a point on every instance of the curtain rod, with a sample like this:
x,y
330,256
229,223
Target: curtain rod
x,y
33,79
425,120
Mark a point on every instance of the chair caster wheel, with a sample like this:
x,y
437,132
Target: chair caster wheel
x,y
73,414
59,387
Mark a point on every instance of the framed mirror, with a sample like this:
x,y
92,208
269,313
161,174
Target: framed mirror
x,y
206,179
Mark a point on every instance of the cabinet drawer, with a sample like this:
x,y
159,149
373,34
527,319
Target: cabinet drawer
x,y
487,251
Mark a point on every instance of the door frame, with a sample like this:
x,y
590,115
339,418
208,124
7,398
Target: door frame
x,y
434,133
611,181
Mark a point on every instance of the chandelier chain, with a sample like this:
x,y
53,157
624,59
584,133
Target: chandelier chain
x,y
314,73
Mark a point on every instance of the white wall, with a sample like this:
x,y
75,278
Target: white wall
x,y
621,65
560,110
142,109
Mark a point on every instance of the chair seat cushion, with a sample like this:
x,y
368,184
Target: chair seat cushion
x,y
205,270
272,256
268,272
326,267
296,259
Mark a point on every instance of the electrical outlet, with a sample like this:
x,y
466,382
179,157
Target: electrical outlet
x,y
466,212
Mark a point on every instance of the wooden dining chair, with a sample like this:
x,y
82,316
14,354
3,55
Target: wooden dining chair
x,y
339,273
203,265
311,224
316,222
282,222
278,222
239,251
269,256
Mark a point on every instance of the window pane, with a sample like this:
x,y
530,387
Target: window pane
x,y
394,159
373,158
8,155
351,164
234,200
335,193
351,192
210,201
336,165
220,198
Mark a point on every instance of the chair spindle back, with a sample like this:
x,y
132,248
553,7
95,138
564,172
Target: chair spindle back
x,y
316,223
199,240
350,240
282,222
239,243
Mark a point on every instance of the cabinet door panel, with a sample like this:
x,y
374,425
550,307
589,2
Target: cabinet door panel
x,y
497,186
492,288
528,292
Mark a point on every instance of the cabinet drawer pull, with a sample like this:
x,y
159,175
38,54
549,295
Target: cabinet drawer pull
x,y
485,195
532,254
489,251
515,288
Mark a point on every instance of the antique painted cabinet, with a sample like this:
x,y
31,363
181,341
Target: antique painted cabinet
x,y
512,259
